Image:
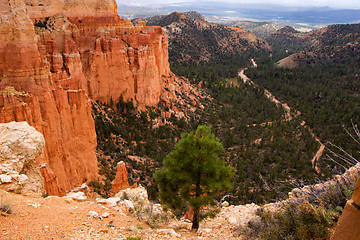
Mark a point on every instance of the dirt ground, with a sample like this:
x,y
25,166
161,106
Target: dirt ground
x,y
34,217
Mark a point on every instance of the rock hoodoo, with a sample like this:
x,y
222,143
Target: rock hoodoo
x,y
56,54
121,179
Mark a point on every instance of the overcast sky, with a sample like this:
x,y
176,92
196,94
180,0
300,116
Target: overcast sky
x,y
349,4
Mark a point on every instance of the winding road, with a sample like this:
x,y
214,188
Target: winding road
x,y
288,114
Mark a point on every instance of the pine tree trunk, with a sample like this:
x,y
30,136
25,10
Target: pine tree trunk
x,y
195,221
196,218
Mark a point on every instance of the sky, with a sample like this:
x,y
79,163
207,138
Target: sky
x,y
342,4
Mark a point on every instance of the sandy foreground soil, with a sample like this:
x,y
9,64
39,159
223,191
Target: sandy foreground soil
x,y
34,217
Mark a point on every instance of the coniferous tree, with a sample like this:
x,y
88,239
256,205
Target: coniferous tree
x,y
193,174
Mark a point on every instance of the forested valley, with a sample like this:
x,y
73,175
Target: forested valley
x,y
271,153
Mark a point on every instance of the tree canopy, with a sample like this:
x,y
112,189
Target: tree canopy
x,y
193,174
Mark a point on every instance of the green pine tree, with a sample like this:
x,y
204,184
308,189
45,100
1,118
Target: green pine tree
x,y
193,174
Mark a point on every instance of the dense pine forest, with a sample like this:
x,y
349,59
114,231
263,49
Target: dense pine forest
x,y
266,150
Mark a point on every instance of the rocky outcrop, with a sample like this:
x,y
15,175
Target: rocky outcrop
x,y
334,185
20,144
356,195
56,54
121,179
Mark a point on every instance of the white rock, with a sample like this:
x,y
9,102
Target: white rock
x,y
133,194
128,204
22,178
112,201
78,196
93,214
225,204
82,187
105,215
5,178
5,167
202,231
20,144
157,209
34,205
232,220
100,200
169,232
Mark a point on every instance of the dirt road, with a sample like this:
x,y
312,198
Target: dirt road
x,y
288,114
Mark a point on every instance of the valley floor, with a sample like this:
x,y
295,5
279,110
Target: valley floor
x,y
288,115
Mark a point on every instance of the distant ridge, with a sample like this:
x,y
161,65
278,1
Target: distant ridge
x,y
334,43
192,38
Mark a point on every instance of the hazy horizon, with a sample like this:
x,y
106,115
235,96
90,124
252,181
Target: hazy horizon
x,y
345,4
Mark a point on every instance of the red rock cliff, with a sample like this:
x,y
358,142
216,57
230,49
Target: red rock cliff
x,y
32,89
76,50
116,58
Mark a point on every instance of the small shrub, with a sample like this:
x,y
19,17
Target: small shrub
x,y
42,23
110,225
132,238
298,222
124,196
5,207
151,213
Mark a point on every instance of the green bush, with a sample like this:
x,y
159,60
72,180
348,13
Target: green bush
x,y
132,238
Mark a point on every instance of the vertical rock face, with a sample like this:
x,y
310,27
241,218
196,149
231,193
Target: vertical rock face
x,y
110,56
33,90
121,59
54,55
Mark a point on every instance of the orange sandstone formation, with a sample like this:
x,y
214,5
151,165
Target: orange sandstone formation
x,y
121,179
76,50
29,92
349,222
